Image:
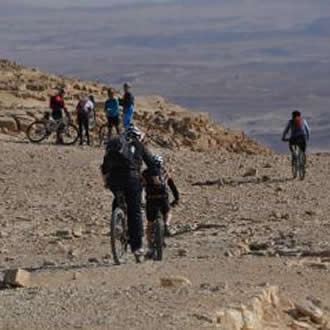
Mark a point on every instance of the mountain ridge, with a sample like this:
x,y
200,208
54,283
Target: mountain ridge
x,y
25,93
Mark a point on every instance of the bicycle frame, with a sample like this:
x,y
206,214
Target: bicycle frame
x,y
298,162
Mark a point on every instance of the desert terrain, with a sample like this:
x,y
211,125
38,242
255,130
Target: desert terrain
x,y
248,63
250,246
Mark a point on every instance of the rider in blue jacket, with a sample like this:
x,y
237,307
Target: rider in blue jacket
x,y
299,131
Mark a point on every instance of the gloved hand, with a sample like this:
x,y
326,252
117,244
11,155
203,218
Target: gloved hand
x,y
105,181
175,203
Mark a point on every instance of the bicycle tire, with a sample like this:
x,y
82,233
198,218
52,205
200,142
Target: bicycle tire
x,y
159,232
72,138
103,134
118,239
302,165
42,137
294,169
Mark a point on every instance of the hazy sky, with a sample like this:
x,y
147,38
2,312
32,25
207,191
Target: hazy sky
x,y
67,3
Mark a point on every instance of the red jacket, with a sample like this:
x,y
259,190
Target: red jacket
x,y
57,103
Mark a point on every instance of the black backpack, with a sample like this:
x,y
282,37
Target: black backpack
x,y
157,184
120,153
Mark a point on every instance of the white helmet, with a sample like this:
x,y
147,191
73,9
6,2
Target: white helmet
x,y
133,132
158,160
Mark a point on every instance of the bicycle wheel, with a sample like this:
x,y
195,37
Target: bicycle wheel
x,y
70,134
159,231
118,236
295,163
302,165
37,131
103,135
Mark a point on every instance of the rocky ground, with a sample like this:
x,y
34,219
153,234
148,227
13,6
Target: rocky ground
x,y
242,225
250,245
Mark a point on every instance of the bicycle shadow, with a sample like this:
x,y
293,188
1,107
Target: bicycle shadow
x,y
94,145
15,141
44,143
238,181
56,275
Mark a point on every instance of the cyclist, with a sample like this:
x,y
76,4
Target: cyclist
x,y
157,196
299,131
128,104
92,115
112,111
57,106
85,108
121,170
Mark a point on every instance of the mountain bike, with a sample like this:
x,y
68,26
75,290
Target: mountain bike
x,y
119,230
298,163
119,236
103,135
158,237
42,129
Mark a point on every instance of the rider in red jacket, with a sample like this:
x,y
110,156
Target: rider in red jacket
x,y
57,105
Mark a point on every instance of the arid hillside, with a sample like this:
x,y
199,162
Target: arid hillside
x,y
24,95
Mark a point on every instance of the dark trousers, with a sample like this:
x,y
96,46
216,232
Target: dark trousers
x,y
113,122
83,123
155,205
132,190
57,115
299,141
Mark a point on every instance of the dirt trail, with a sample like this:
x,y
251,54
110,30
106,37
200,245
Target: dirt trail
x,y
267,224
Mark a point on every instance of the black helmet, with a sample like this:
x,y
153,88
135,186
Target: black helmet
x,y
92,98
296,114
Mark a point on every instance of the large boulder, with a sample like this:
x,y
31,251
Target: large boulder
x,y
8,123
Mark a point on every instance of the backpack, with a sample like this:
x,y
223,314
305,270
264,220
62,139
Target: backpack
x,y
157,185
56,103
82,106
120,153
298,126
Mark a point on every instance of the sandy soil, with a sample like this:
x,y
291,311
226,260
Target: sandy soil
x,y
263,229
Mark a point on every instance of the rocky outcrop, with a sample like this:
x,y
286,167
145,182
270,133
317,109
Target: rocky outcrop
x,y
25,93
260,313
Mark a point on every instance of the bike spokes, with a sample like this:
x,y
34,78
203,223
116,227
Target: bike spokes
x,y
69,134
37,131
302,165
158,237
118,236
298,163
104,135
294,164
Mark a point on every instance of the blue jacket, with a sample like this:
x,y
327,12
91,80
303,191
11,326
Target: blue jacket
x,y
111,108
304,130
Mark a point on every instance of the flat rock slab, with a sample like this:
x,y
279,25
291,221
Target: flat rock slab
x,y
17,278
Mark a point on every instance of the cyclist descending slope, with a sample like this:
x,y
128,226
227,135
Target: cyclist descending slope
x,y
299,132
299,136
121,170
157,195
